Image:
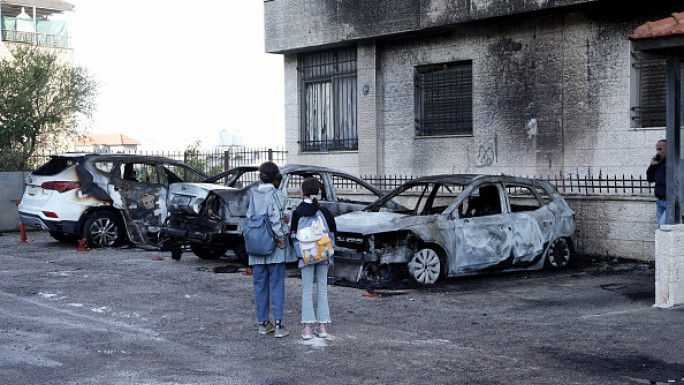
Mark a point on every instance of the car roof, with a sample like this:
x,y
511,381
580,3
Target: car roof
x,y
123,156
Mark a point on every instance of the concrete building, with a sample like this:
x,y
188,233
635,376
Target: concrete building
x,y
421,87
32,22
408,87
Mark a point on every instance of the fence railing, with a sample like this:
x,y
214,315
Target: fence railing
x,y
569,184
210,162
213,162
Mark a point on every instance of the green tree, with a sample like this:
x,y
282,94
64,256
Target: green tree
x,y
209,163
41,96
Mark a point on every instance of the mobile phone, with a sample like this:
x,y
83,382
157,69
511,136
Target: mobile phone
x,y
657,157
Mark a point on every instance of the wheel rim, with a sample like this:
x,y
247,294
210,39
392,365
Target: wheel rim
x,y
103,232
559,253
425,266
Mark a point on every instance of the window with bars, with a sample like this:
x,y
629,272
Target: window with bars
x,y
444,99
328,100
649,101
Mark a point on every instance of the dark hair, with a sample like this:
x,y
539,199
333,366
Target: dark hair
x,y
270,173
310,187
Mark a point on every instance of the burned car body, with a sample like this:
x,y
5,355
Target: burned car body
x,y
208,217
107,199
456,225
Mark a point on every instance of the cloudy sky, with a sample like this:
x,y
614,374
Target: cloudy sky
x,y
171,74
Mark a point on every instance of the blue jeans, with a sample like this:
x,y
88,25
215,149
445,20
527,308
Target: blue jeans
x,y
661,207
269,279
319,271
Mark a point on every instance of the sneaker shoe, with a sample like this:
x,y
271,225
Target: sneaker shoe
x,y
307,333
265,329
321,331
281,331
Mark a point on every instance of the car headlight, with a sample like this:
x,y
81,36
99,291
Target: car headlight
x,y
181,200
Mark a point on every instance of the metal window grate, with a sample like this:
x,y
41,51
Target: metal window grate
x,y
328,100
444,99
651,108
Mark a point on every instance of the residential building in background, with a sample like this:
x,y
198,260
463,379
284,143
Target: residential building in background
x,y
33,22
106,143
468,86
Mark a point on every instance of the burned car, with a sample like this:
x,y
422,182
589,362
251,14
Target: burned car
x,y
108,199
457,225
208,217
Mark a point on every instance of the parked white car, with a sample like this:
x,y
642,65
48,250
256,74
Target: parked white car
x,y
107,199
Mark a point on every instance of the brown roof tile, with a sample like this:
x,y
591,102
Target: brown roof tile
x,y
673,25
105,139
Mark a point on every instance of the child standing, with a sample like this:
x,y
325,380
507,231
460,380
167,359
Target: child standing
x,y
317,272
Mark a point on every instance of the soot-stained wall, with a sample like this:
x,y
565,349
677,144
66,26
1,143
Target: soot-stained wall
x,y
551,88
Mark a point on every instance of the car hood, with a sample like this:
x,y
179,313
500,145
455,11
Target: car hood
x,y
364,222
199,190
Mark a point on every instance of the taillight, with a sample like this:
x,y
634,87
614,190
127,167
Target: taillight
x,y
61,186
50,214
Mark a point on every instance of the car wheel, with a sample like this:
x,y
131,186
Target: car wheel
x,y
241,253
208,251
558,255
64,238
425,266
104,229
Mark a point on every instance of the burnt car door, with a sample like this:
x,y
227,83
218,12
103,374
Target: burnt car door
x,y
347,193
483,230
532,223
292,182
140,186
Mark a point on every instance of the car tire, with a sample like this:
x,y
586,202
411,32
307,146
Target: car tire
x,y
558,254
208,251
103,229
63,237
425,267
241,253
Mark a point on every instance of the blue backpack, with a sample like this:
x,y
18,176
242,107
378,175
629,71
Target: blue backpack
x,y
257,232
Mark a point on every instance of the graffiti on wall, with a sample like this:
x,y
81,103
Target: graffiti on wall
x,y
485,156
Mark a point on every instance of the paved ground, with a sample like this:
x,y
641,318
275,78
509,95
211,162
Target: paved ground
x,y
126,317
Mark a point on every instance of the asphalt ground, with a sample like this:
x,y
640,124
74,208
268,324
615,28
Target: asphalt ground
x,y
129,316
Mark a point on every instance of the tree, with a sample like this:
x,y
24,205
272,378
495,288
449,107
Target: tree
x,y
40,97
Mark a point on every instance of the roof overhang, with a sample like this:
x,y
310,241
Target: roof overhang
x,y
664,37
55,5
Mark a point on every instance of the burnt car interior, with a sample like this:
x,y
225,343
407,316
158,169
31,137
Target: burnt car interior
x,y
481,202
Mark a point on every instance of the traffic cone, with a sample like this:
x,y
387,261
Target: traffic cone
x,y
82,245
248,271
23,234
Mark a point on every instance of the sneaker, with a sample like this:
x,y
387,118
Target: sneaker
x,y
281,331
321,331
267,328
307,333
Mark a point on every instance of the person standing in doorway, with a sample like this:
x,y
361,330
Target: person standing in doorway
x,y
656,173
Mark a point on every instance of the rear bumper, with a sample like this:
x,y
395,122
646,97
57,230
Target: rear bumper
x,y
35,221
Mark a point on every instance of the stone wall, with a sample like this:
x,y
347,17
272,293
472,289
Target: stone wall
x,y
551,94
622,227
11,190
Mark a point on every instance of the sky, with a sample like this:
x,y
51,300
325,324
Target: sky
x,y
172,72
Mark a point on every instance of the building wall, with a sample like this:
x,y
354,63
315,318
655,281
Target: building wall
x,y
551,95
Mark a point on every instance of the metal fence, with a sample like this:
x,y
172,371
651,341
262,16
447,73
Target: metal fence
x,y
570,184
210,162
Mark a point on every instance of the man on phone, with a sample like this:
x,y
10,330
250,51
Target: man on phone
x,y
657,173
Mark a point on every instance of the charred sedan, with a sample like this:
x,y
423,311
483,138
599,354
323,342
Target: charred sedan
x,y
208,216
108,199
456,225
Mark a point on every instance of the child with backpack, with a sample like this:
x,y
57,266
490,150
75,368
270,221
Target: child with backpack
x,y
307,219
268,268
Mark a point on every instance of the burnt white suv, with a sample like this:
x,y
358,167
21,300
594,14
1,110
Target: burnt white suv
x,y
108,199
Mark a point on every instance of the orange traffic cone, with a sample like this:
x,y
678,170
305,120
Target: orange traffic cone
x,y
82,245
23,234
248,271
